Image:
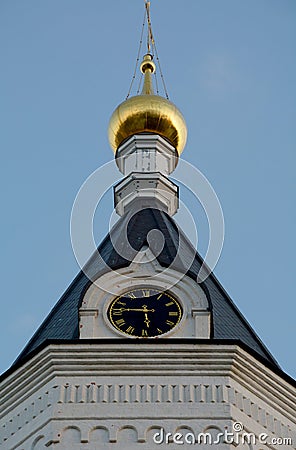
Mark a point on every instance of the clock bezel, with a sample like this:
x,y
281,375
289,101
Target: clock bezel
x,y
144,287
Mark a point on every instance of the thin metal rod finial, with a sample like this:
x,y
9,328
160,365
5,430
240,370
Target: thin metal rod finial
x,y
150,39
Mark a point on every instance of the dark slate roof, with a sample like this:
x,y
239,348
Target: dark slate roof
x,y
174,250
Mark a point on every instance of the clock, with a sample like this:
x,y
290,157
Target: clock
x,y
144,312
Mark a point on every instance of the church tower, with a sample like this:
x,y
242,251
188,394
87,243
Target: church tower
x,y
145,349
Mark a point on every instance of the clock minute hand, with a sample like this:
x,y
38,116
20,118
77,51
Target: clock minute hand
x,y
144,309
127,309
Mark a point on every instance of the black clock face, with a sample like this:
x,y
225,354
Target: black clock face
x,y
144,312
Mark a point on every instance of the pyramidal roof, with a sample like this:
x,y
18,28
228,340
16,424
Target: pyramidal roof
x,y
62,324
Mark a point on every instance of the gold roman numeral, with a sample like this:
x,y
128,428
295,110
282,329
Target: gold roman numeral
x,y
158,298
159,331
173,313
130,330
144,333
120,322
116,312
169,304
121,303
169,322
132,295
146,293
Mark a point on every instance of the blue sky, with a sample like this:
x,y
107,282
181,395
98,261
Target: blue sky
x,y
228,65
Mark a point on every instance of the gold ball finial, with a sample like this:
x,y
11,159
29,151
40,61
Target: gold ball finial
x,y
147,112
147,64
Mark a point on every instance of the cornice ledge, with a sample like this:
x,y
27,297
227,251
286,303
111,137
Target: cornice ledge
x,y
264,383
97,359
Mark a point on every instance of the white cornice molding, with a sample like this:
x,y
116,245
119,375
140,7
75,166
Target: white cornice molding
x,y
168,360
67,383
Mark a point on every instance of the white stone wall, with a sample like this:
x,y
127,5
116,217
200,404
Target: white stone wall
x,y
102,396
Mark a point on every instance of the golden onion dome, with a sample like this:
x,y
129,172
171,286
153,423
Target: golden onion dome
x,y
147,113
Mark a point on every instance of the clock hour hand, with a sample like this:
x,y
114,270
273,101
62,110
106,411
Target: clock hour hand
x,y
147,321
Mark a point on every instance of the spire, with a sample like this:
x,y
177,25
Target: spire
x,y
147,112
147,68
150,39
147,133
